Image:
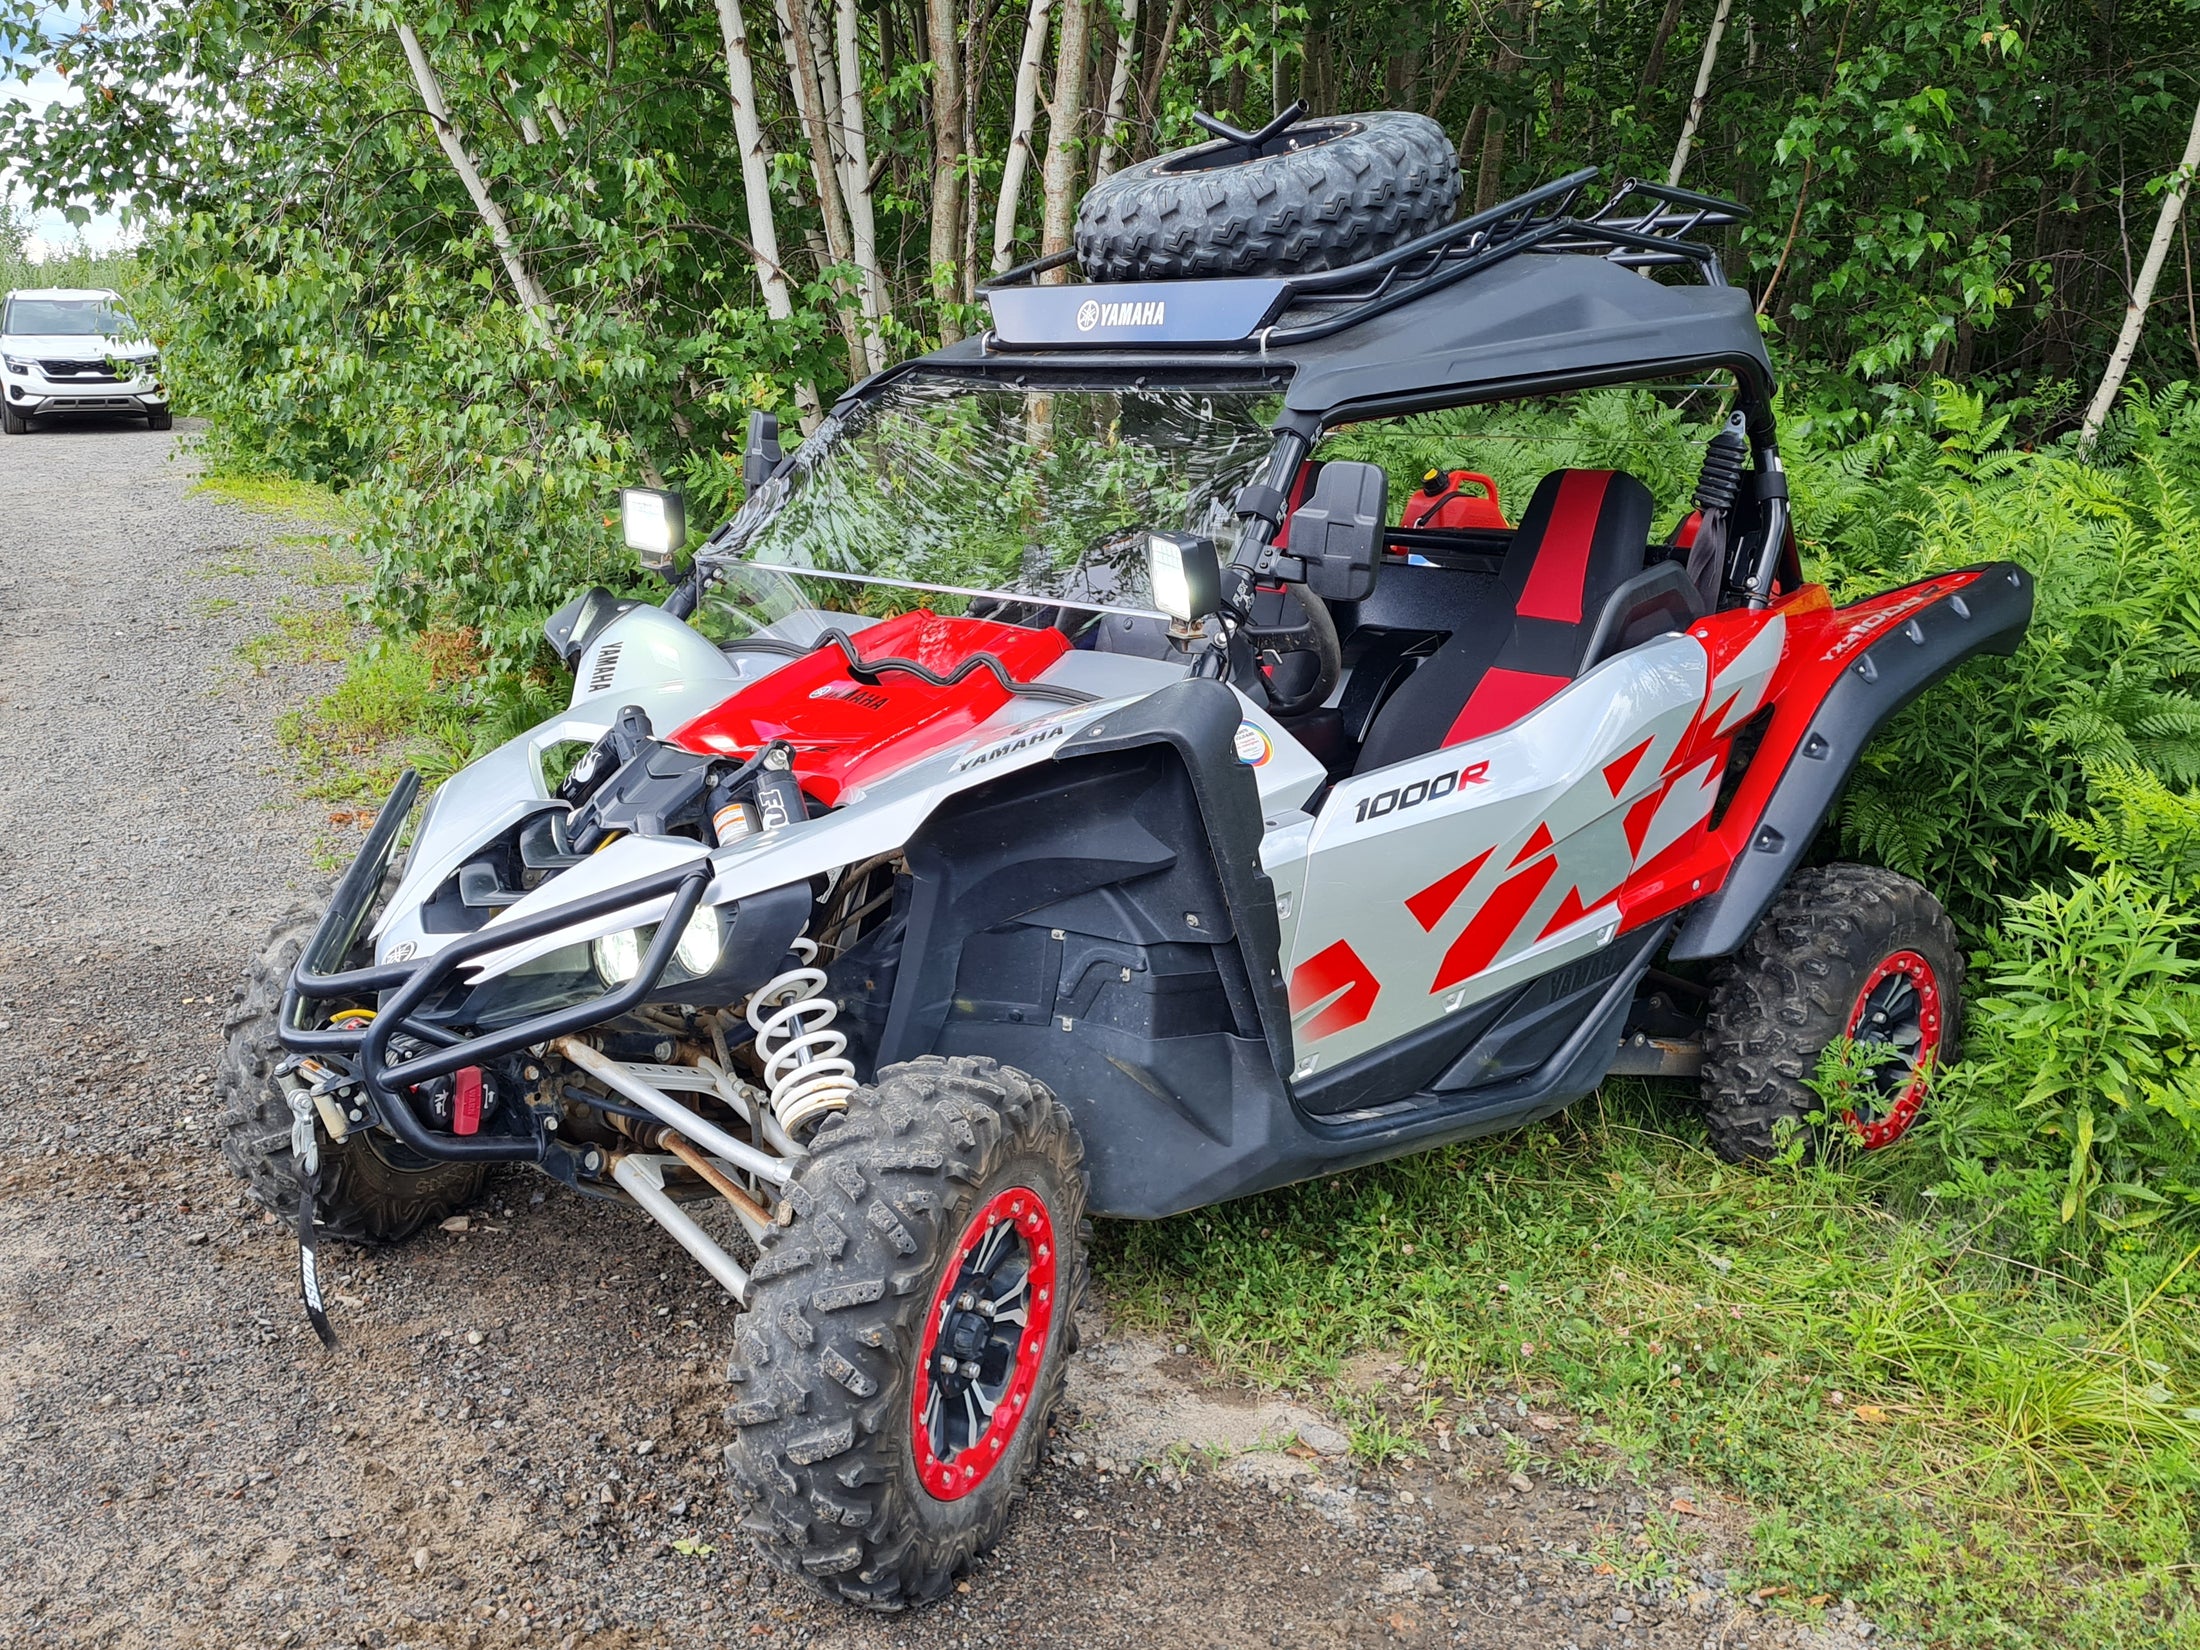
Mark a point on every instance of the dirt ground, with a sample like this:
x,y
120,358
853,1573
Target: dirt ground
x,y
519,1440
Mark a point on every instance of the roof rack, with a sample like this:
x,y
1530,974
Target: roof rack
x,y
1641,226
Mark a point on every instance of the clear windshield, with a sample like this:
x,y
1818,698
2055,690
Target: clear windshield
x,y
66,318
941,490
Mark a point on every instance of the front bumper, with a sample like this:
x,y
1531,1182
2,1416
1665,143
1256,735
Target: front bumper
x,y
33,395
401,988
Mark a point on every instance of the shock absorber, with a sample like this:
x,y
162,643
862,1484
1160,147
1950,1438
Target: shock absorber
x,y
806,1073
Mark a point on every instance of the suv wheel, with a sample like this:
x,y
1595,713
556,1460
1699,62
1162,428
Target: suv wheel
x,y
1846,951
368,1195
161,418
906,1337
13,422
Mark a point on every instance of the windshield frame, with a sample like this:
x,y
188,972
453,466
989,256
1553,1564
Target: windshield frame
x,y
726,547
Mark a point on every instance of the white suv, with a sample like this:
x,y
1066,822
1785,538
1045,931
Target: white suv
x,y
74,350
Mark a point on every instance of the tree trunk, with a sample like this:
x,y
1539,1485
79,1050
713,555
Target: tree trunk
x,y
862,223
1149,96
748,133
1119,84
947,161
1703,90
1021,120
798,45
1490,174
795,45
2142,293
1073,49
531,297
1653,66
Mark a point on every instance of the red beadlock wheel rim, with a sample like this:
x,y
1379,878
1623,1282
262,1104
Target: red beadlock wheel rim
x,y
1898,1007
984,1340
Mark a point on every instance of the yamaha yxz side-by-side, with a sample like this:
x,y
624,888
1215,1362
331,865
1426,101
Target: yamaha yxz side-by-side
x,y
1131,759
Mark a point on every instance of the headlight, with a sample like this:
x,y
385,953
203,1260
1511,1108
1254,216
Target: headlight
x,y
15,365
700,944
619,956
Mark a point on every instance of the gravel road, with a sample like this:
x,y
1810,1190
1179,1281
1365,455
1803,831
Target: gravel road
x,y
519,1440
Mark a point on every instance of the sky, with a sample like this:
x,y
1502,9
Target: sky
x,y
50,231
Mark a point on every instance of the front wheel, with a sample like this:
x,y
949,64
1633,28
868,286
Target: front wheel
x,y
906,1337
1846,951
370,1193
161,418
14,422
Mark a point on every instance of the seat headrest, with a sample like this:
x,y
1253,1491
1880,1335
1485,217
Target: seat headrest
x,y
1584,533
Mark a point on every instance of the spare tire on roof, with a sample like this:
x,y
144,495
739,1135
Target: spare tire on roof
x,y
1323,193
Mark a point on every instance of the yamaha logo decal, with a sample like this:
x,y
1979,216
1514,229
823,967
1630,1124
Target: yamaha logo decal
x,y
1152,312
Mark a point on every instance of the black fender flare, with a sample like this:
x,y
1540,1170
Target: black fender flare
x,y
1195,719
1989,614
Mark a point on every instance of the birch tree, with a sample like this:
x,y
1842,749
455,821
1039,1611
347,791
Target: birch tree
x,y
799,46
1119,84
856,187
531,297
1020,121
947,161
1703,91
748,134
1058,213
2142,291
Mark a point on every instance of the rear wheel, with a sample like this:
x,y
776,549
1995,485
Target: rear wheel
x,y
906,1337
1846,951
368,1193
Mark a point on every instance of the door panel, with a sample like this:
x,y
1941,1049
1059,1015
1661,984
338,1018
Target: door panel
x,y
1435,882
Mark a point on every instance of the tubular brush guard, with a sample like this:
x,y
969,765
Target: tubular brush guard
x,y
402,987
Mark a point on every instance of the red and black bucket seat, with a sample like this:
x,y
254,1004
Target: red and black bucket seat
x,y
1585,534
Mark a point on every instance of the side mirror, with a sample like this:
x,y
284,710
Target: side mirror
x,y
655,524
1186,577
1339,532
761,454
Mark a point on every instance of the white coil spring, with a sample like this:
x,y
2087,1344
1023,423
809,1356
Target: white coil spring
x,y
804,1070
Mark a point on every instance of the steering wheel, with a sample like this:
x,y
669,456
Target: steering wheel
x,y
1287,628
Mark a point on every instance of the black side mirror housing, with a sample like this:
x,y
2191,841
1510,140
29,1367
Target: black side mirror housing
x,y
1338,532
761,454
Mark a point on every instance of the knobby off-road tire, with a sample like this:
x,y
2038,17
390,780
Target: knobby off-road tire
x,y
364,1197
896,1202
1845,950
1355,186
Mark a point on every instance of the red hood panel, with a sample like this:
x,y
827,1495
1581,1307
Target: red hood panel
x,y
846,731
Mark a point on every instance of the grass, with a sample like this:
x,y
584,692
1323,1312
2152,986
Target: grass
x,y
422,702
1980,1453
302,635
271,495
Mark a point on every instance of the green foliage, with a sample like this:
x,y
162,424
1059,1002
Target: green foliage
x,y
1656,434
1963,789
